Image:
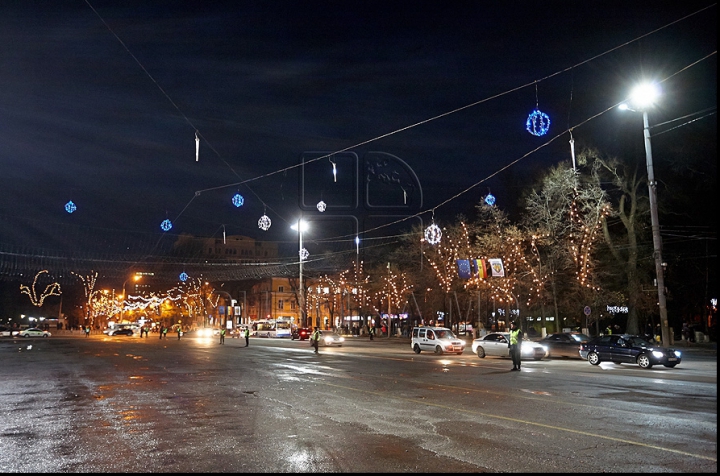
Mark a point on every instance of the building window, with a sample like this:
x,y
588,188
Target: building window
x,y
281,289
280,304
292,305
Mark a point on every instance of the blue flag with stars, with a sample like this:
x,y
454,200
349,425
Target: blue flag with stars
x,y
463,266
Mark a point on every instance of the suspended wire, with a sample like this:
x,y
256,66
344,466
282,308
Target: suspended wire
x,y
433,118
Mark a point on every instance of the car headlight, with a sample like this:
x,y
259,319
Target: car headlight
x,y
678,354
657,354
342,339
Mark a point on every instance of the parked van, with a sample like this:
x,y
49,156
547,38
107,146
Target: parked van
x,y
440,340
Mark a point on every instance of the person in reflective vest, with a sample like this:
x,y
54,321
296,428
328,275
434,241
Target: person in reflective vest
x,y
315,339
516,336
246,333
222,336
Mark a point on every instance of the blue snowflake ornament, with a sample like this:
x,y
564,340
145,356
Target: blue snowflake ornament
x,y
538,123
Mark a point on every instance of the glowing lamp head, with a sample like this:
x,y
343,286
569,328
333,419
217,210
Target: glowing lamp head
x,y
645,95
301,225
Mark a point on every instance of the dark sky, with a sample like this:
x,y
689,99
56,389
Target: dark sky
x,y
100,101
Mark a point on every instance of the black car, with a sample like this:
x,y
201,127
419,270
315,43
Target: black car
x,y
301,333
631,349
564,344
121,332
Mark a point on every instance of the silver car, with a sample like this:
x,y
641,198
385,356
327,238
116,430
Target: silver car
x,y
497,344
33,332
330,339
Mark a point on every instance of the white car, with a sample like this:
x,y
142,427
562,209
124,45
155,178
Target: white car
x,y
329,339
440,340
33,332
496,344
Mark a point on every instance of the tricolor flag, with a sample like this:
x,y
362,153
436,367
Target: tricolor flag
x,y
480,268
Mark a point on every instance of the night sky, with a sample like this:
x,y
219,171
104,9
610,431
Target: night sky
x,y
100,102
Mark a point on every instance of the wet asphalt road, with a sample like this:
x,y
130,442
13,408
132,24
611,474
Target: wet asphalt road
x,y
126,404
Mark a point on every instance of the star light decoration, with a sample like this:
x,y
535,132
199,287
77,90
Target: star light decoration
x,y
264,223
238,200
183,276
70,207
538,123
166,225
321,206
433,234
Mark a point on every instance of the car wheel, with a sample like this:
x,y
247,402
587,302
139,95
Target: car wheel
x,y
26,335
670,365
416,349
45,335
593,358
537,358
438,350
644,361
481,352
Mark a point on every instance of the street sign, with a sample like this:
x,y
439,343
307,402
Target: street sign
x,y
587,310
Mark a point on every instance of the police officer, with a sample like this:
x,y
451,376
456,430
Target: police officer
x,y
516,336
315,339
371,331
222,336
246,333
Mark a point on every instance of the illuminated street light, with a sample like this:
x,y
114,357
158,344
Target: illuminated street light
x,y
136,277
301,226
642,98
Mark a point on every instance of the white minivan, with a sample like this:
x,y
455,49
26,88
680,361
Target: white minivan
x,y
440,340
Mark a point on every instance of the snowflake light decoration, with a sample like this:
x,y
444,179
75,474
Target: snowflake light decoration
x,y
304,254
264,223
238,200
70,207
433,233
538,123
183,276
166,225
321,206
490,199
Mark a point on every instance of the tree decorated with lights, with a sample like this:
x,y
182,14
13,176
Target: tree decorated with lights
x,y
37,299
497,237
563,215
392,293
456,244
197,297
88,284
355,283
624,236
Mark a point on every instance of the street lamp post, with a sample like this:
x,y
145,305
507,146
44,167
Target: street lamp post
x,y
301,226
644,96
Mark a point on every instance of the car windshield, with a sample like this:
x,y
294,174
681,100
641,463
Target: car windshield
x,y
580,337
444,334
638,342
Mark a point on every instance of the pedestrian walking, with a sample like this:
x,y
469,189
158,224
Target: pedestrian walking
x,y
371,331
315,338
516,336
164,332
222,336
87,331
179,332
246,333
